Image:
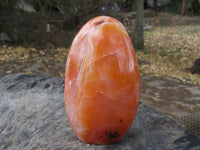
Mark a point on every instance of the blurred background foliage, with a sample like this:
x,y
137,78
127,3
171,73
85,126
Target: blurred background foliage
x,y
175,6
64,18
51,23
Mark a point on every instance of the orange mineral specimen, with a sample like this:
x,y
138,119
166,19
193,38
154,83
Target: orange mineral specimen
x,y
102,82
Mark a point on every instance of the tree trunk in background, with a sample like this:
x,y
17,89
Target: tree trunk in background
x,y
139,34
155,3
183,7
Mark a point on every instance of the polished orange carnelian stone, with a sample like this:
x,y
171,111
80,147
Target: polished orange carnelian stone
x,y
102,82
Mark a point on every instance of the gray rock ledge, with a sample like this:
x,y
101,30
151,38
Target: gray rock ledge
x,y
33,116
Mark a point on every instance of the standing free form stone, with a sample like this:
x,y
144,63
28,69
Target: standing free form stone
x,y
102,82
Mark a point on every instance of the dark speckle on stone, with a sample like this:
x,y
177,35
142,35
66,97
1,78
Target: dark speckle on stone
x,y
24,76
101,136
43,79
11,86
32,85
113,135
120,120
47,86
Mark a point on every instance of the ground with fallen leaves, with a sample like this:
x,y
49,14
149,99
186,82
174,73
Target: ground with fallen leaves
x,y
33,61
171,51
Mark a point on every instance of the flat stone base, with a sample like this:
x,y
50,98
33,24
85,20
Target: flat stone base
x,y
33,116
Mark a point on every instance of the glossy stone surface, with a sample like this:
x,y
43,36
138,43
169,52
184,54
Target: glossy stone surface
x,y
102,82
33,116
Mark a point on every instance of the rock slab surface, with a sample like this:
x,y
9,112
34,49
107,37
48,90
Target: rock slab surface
x,y
33,116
